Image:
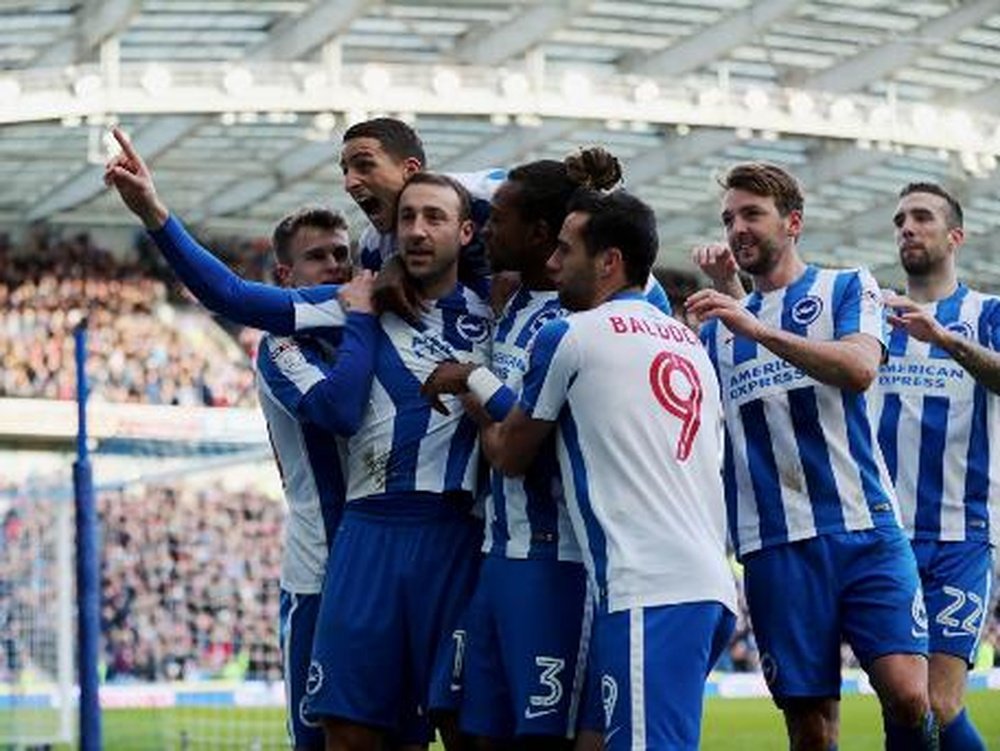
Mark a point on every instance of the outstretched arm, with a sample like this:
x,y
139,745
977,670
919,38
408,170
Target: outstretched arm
x,y
211,281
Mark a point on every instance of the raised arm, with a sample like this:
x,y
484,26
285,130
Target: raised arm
x,y
261,306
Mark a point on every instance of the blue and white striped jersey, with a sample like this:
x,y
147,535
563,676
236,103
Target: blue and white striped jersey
x,y
639,440
939,429
311,393
802,458
526,516
404,445
311,460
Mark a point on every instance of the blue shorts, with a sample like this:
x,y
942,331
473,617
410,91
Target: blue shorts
x,y
297,624
399,577
956,577
527,635
653,663
804,597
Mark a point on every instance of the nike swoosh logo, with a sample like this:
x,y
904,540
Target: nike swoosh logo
x,y
531,714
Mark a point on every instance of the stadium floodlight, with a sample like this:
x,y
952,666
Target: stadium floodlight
x,y
10,90
446,82
157,79
800,104
514,85
574,84
925,119
711,97
325,122
87,85
237,80
756,99
844,111
375,79
646,91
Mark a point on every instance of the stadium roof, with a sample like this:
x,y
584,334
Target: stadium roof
x,y
239,104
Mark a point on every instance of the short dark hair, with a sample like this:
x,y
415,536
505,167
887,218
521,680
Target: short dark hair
x,y
956,217
620,220
767,180
308,216
398,139
545,187
444,181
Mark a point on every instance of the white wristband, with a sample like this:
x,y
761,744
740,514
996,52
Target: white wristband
x,y
483,383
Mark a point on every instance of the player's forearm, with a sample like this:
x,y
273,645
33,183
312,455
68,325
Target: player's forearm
x,y
848,365
218,288
731,286
501,452
337,403
981,363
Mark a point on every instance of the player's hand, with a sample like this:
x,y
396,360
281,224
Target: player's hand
x,y
448,378
709,303
717,262
394,292
357,295
918,323
128,174
475,410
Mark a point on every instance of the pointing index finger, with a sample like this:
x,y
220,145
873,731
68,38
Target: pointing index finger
x,y
125,143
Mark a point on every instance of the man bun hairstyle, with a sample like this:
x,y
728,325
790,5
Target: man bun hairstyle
x,y
546,187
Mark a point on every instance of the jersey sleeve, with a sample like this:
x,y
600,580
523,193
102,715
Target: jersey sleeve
x,y
858,306
262,306
552,366
329,394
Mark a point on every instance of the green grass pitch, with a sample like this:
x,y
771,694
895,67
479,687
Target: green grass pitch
x,y
730,725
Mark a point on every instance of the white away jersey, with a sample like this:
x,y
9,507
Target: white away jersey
x,y
639,436
404,445
801,457
310,459
939,428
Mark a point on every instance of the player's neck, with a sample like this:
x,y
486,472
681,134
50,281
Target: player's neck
x,y
789,268
441,286
931,287
536,279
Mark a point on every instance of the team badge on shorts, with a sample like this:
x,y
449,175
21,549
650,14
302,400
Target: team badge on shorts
x,y
609,697
314,680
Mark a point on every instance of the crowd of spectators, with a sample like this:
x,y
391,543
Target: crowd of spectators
x,y
144,346
189,586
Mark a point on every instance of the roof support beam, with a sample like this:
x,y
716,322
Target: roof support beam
x,y
294,165
507,148
711,42
95,21
518,35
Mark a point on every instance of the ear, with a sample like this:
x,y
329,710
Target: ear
x,y
540,234
411,165
466,231
611,261
957,236
794,220
282,274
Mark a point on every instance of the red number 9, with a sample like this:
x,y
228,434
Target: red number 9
x,y
687,405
